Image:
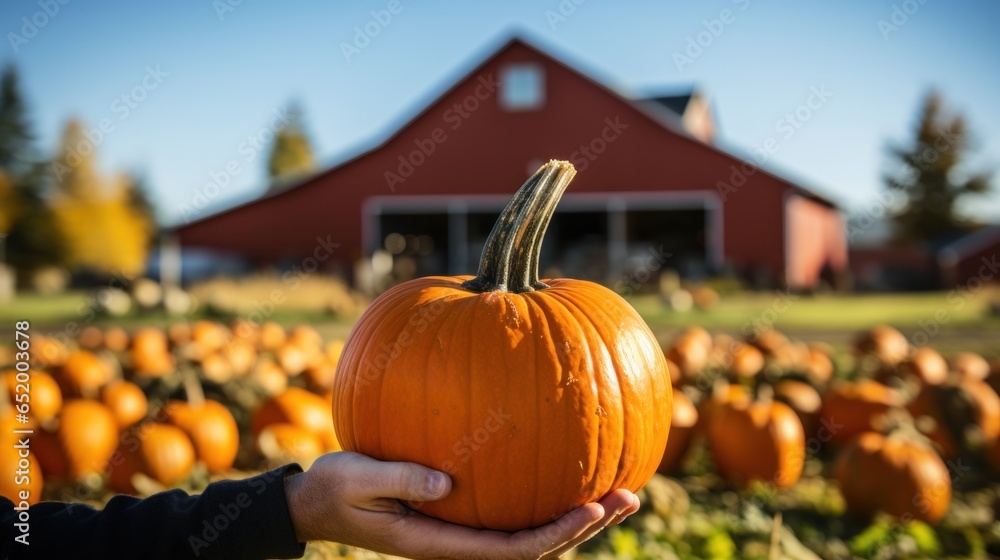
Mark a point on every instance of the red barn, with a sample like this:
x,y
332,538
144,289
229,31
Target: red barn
x,y
652,191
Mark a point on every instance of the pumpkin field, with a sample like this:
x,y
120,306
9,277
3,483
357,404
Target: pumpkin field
x,y
779,447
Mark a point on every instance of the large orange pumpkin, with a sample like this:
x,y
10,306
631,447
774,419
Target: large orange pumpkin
x,y
161,452
763,441
852,408
537,397
894,474
966,414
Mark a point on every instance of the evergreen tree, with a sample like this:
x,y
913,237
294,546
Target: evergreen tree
x,y
931,176
291,154
32,239
16,150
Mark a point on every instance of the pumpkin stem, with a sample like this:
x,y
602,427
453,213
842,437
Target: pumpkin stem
x,y
510,258
193,390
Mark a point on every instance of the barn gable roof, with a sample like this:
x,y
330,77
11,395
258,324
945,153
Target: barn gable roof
x,y
667,111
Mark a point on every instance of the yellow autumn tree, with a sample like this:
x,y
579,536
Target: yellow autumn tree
x,y
104,232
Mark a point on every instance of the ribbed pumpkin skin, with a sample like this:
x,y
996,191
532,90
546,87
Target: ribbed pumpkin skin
x,y
536,402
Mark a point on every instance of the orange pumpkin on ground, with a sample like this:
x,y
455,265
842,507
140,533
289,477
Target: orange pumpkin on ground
x,y
966,414
560,386
150,353
926,365
46,397
747,360
30,480
163,453
302,408
289,442
83,374
682,425
900,476
51,456
852,408
271,336
270,377
817,365
88,433
763,441
127,402
804,399
970,365
90,338
885,343
209,424
116,339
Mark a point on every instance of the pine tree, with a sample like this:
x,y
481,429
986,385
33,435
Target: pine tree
x,y
931,177
32,239
16,140
291,154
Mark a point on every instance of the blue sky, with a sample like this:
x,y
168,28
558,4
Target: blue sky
x,y
220,73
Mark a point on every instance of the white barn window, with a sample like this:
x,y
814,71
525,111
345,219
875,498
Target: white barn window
x,y
522,87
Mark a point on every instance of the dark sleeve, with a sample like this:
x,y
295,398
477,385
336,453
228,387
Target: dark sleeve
x,y
231,519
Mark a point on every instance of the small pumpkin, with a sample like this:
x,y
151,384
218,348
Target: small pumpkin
x,y
302,408
90,338
31,480
207,337
216,368
83,374
852,408
271,336
817,365
209,424
682,428
690,351
883,342
241,355
747,360
51,456
127,402
966,414
289,442
762,441
970,365
116,339
926,365
46,397
88,433
179,334
802,398
560,377
163,453
270,377
900,476
150,353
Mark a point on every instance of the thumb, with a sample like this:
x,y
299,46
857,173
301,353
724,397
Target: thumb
x,y
406,481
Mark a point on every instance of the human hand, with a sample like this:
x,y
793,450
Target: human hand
x,y
353,499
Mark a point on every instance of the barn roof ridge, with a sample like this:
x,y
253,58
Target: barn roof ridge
x,y
661,115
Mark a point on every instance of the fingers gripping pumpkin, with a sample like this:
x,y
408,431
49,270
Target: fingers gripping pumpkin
x,y
536,397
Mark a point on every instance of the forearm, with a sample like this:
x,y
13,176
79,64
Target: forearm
x,y
230,519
